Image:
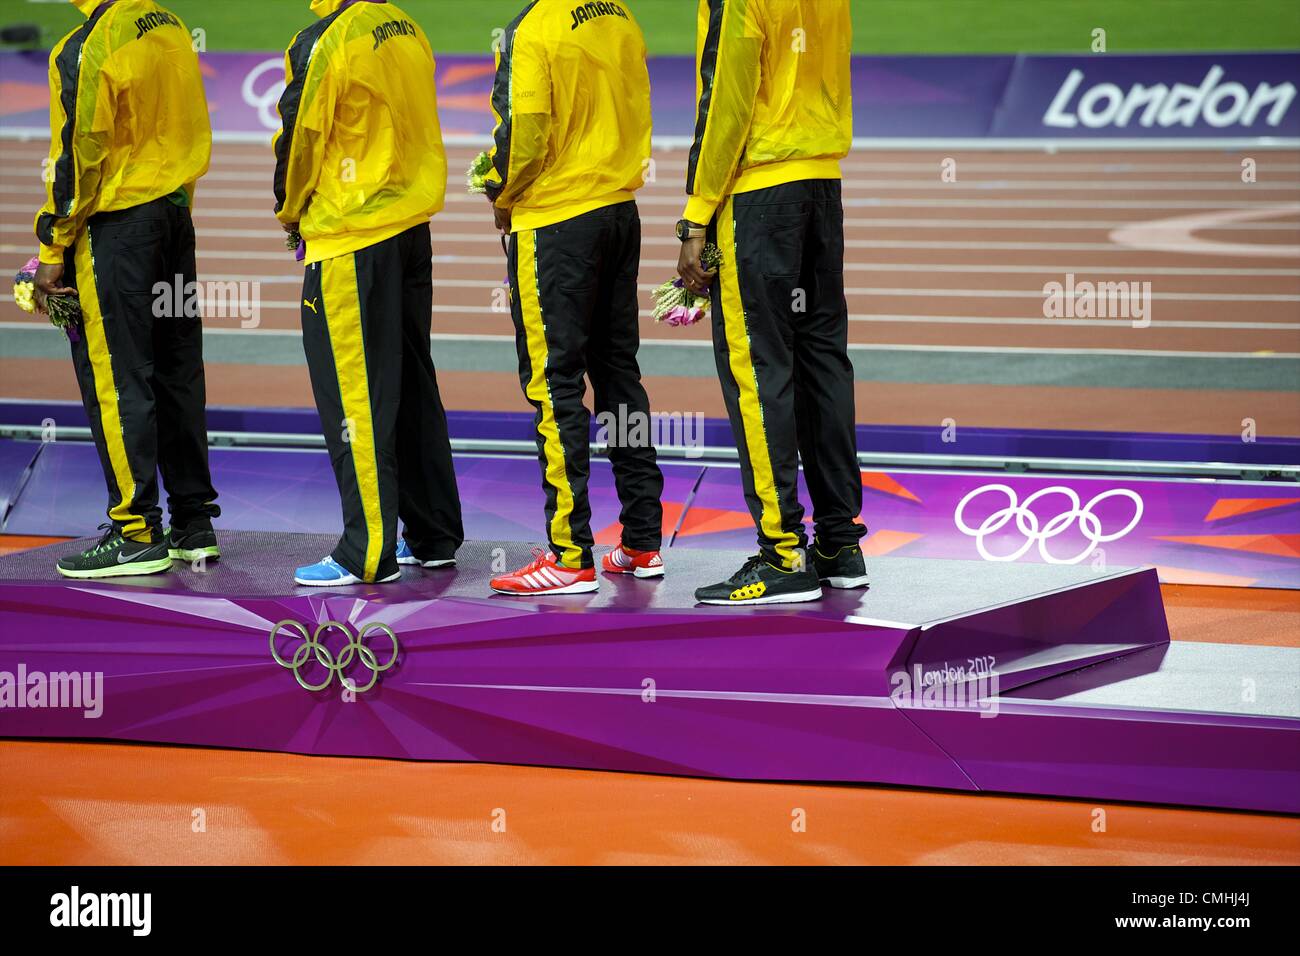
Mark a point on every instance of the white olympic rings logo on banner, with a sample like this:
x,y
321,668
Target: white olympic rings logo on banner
x,y
1027,522
265,102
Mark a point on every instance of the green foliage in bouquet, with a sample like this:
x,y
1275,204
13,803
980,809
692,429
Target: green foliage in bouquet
x,y
476,175
65,311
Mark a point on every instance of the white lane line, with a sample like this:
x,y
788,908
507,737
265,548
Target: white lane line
x,y
984,245
989,157
924,292
850,203
1177,234
280,305
853,346
1051,273
1044,321
1209,202
672,160
664,237
665,191
458,240
1231,181
670,189
927,292
1046,270
975,222
1038,294
669,266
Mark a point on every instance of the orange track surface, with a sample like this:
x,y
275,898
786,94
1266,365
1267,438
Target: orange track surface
x,y
77,803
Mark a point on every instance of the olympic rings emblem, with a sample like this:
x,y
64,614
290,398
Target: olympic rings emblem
x,y
311,646
266,101
1027,522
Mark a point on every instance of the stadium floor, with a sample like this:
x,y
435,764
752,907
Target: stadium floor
x,y
79,803
945,291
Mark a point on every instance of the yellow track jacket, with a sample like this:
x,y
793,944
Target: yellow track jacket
x,y
128,118
359,156
774,95
572,103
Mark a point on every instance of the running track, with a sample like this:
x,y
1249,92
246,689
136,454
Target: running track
x,y
945,293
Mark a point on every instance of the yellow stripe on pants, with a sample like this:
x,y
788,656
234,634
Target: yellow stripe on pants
x,y
110,418
539,390
343,318
751,403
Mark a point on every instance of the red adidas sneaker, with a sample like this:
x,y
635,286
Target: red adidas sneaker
x,y
545,575
623,560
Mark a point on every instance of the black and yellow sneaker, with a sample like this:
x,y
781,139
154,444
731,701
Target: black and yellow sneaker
x,y
116,556
841,569
192,544
758,582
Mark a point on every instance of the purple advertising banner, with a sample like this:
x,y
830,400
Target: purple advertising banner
x,y
1230,95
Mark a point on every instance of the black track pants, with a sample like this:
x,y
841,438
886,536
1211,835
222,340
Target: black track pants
x,y
780,335
365,329
574,303
139,364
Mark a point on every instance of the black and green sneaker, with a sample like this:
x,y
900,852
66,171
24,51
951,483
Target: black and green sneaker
x,y
841,569
758,582
116,556
192,544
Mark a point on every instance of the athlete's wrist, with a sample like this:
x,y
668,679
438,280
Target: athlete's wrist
x,y
687,230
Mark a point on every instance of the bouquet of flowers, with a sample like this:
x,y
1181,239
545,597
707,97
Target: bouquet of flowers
x,y
476,175
294,243
25,286
677,305
65,310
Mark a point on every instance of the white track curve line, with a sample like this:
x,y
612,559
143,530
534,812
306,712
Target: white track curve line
x,y
1176,234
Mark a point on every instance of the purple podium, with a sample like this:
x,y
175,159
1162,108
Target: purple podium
x,y
962,675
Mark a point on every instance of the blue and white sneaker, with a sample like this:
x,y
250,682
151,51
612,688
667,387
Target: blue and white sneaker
x,y
404,556
329,573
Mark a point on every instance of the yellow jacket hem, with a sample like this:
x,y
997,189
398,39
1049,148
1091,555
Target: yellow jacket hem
x,y
523,219
320,248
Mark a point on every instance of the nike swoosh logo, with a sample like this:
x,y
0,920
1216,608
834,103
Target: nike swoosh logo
x,y
124,558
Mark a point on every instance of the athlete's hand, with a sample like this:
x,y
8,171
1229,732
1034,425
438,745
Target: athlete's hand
x,y
502,219
691,270
48,282
289,227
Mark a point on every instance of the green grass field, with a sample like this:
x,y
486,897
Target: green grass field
x,y
880,26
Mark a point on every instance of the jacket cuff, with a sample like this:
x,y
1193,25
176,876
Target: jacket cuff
x,y
51,255
699,209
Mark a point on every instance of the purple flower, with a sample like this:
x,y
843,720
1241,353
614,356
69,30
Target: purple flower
x,y
684,315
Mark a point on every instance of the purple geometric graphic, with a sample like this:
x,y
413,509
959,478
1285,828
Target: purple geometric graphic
x,y
1244,534
636,677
